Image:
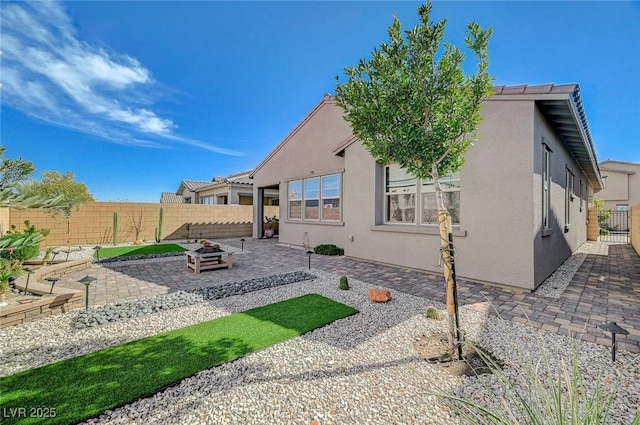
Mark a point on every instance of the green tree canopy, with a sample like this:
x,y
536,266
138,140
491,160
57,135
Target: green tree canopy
x,y
411,103
55,184
13,170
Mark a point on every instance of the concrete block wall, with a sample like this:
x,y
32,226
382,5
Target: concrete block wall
x,y
593,230
634,216
93,223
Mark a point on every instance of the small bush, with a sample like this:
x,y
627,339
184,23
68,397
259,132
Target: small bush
x,y
344,283
328,249
604,232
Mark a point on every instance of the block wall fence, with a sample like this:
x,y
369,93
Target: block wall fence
x,y
634,216
93,223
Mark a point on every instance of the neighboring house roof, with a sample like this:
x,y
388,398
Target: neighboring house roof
x,y
170,198
237,179
192,185
614,170
604,166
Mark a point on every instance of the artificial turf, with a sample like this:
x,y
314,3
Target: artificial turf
x,y
81,387
122,251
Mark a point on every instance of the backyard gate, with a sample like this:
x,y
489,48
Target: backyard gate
x,y
614,226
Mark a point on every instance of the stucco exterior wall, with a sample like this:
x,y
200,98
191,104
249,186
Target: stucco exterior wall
x,y
306,152
493,242
499,239
623,183
616,190
550,251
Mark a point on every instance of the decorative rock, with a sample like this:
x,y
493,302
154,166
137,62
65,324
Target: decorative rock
x,y
139,242
379,295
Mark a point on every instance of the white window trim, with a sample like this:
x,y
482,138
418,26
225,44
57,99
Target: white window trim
x,y
417,190
546,189
320,199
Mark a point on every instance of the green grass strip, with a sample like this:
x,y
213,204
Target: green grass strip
x,y
122,251
81,387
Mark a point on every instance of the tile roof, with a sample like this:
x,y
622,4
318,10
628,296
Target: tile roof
x,y
238,179
193,185
171,198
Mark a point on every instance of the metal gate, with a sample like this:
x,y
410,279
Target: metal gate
x,y
614,226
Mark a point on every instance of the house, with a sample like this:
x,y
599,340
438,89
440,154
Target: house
x,y
234,189
622,184
519,204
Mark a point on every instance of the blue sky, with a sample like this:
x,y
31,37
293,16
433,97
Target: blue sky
x,y
133,97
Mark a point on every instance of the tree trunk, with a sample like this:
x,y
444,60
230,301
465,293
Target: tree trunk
x,y
444,220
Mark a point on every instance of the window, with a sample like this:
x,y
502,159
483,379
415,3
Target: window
x,y
569,195
331,198
400,195
581,195
295,200
207,200
546,186
622,207
312,199
315,199
404,195
450,185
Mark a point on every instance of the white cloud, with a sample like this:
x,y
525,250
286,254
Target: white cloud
x,y
48,74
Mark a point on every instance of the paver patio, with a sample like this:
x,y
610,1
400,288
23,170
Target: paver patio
x,y
605,288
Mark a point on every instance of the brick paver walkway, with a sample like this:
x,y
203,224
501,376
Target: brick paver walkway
x,y
605,288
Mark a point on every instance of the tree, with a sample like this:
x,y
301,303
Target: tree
x,y
413,105
12,173
13,170
54,184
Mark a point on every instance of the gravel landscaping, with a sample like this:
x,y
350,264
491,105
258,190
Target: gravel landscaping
x,y
358,370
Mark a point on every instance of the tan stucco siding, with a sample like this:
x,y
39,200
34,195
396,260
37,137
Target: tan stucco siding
x,y
623,183
306,152
495,198
553,249
616,190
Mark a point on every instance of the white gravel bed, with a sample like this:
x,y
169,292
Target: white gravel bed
x,y
554,285
358,370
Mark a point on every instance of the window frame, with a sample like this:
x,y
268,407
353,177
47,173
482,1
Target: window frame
x,y
320,198
296,199
546,189
418,190
569,197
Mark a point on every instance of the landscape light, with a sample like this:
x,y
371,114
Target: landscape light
x,y
614,328
53,281
97,248
309,254
87,282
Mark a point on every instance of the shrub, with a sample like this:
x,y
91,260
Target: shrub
x,y
26,252
344,283
8,269
328,249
